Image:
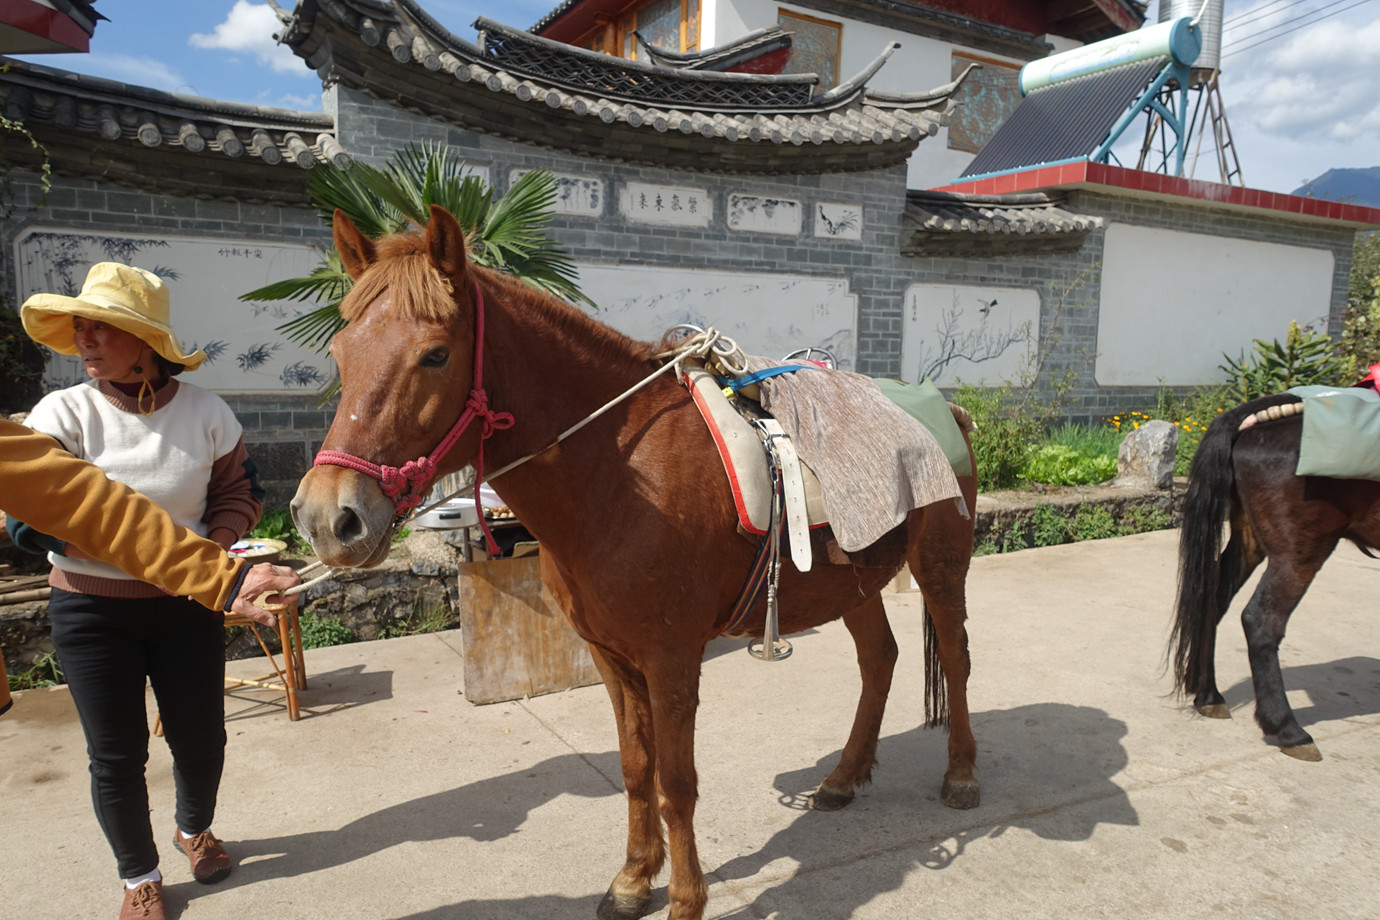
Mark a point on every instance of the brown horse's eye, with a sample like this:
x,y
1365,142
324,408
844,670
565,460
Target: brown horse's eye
x,y
436,357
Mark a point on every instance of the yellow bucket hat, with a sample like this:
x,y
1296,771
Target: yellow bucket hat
x,y
121,295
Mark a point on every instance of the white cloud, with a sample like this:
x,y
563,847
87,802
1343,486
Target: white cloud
x,y
249,29
134,70
1321,81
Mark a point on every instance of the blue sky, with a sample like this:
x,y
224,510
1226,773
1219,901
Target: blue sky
x,y
1301,78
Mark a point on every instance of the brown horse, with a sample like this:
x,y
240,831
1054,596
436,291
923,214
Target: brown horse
x,y
634,516
1247,478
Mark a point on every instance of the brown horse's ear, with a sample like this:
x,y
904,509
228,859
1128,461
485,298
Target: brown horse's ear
x,y
356,250
445,243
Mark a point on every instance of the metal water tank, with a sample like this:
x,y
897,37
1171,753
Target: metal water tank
x,y
1210,26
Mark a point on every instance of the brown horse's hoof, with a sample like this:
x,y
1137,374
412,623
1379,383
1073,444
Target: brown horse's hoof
x,y
1215,711
827,800
613,907
961,794
1308,752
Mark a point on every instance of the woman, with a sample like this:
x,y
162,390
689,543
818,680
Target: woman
x,y
181,446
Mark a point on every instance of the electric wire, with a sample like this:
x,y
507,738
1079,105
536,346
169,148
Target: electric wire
x,y
1236,46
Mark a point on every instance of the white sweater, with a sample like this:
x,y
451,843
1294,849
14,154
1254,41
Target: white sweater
x,y
168,455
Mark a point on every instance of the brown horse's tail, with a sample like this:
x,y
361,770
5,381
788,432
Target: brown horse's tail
x,y
936,690
1205,572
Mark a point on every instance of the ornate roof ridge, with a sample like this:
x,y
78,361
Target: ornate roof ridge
x,y
537,91
754,44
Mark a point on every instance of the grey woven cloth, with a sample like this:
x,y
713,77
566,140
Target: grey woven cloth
x,y
875,462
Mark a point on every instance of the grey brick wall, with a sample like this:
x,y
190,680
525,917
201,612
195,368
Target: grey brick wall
x,y
284,431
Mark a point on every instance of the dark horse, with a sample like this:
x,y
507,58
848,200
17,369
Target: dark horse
x,y
638,532
1247,477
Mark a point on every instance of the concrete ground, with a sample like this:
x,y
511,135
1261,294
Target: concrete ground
x,y
395,798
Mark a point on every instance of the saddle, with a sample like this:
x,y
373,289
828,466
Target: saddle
x,y
745,433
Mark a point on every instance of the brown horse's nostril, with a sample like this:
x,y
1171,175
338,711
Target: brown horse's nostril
x,y
347,526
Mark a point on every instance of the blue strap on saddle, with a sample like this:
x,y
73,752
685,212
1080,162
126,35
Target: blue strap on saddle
x,y
747,380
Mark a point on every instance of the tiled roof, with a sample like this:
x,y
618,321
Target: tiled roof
x,y
516,85
944,223
167,142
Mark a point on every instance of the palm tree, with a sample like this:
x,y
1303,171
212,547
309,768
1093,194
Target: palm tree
x,y
506,234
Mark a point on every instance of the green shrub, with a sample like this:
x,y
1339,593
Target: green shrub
x,y
1003,437
276,524
1145,518
1094,522
321,632
1304,358
1049,527
45,672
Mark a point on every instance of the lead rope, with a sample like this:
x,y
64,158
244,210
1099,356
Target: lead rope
x,y
701,343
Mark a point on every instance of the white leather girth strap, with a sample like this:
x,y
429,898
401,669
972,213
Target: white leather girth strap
x,y
793,489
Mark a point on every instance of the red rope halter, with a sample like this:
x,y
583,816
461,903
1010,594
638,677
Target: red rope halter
x,y
406,485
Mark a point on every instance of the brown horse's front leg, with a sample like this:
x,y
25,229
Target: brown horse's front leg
x,y
876,646
631,891
675,685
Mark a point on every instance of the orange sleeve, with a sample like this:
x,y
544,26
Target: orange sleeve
x,y
54,492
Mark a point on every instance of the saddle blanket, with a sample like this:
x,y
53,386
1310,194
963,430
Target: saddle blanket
x,y
1341,432
873,461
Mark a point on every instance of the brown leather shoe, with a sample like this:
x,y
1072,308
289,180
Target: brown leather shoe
x,y
210,863
144,902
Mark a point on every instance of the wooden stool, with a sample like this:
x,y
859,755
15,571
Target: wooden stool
x,y
292,676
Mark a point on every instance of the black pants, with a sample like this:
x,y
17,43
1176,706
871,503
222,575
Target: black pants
x,y
108,647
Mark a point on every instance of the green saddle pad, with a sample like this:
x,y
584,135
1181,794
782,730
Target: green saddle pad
x,y
923,402
1341,432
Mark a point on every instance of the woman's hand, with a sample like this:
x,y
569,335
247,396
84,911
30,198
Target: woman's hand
x,y
263,582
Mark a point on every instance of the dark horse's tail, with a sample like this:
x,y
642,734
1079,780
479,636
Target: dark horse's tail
x,y
1204,570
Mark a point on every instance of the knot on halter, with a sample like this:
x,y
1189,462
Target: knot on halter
x,y
406,485
477,406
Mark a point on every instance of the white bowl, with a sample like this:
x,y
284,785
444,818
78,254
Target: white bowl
x,y
451,515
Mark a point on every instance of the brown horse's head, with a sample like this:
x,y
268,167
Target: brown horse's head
x,y
406,361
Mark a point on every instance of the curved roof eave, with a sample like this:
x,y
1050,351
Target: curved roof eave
x,y
531,90
168,142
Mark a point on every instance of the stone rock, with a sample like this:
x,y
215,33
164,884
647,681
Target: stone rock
x,y
1146,457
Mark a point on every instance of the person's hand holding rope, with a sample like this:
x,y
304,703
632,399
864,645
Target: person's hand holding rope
x,y
267,582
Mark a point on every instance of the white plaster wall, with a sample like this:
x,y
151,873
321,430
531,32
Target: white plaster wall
x,y
1173,303
919,64
771,315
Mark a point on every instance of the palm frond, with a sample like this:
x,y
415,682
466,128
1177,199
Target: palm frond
x,y
508,234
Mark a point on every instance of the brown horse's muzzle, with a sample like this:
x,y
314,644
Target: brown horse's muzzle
x,y
344,515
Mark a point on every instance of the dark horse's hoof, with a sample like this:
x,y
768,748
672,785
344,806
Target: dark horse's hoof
x,y
1307,752
963,794
827,800
612,907
1215,711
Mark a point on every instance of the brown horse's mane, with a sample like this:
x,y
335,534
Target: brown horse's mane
x,y
418,291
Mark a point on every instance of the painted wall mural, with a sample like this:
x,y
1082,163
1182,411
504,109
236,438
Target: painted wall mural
x,y
759,214
838,221
770,315
244,351
575,195
967,333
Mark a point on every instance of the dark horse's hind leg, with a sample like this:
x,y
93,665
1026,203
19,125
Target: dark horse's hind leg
x,y
876,645
1240,558
1264,619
